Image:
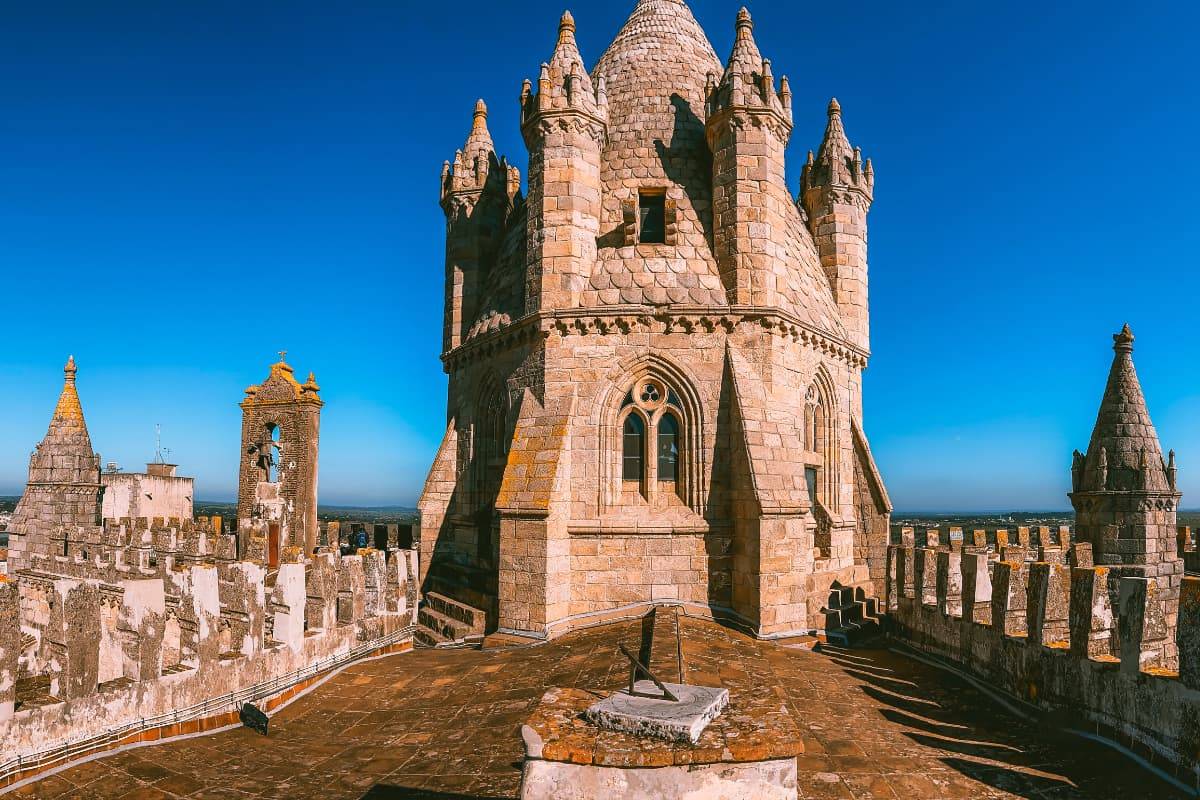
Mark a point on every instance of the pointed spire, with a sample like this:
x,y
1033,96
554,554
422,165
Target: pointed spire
x,y
1124,452
838,163
480,140
471,165
835,148
564,82
68,408
746,60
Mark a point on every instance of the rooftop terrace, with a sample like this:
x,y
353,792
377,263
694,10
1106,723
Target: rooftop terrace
x,y
445,724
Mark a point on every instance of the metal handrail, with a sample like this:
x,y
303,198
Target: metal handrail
x,y
70,749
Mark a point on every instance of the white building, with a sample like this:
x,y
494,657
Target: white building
x,y
157,492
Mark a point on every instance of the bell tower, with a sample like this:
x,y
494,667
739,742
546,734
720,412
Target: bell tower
x,y
277,479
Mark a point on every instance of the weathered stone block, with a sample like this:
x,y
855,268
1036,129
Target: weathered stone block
x,y
141,627
1142,629
73,636
1188,632
949,583
1009,598
10,646
1091,614
1048,608
976,588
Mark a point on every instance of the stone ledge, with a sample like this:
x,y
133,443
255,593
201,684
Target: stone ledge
x,y
558,731
680,720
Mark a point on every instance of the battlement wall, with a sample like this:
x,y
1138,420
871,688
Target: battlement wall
x,y
145,542
1089,647
90,646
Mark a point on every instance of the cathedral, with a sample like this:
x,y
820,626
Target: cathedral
x,y
655,354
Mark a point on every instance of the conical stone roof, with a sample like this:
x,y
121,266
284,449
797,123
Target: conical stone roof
x,y
64,472
1124,453
655,71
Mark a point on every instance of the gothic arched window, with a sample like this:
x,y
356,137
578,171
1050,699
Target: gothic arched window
x,y
820,457
668,448
652,440
633,460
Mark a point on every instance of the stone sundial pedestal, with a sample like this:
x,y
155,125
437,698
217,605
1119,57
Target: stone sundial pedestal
x,y
642,714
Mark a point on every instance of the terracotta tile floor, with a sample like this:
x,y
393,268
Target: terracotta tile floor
x,y
443,725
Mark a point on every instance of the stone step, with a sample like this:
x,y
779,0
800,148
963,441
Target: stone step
x,y
446,626
463,593
855,634
424,637
473,620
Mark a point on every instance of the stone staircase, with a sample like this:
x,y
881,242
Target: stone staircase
x,y
852,618
444,621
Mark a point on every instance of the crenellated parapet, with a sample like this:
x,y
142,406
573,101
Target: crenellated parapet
x,y
132,548
137,644
1087,645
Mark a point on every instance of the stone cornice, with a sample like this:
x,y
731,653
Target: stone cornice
x,y
653,319
739,116
576,120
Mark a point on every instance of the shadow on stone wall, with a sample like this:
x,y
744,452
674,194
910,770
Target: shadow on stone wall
x,y
995,748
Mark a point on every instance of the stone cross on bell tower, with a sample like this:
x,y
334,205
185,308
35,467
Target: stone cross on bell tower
x,y
277,478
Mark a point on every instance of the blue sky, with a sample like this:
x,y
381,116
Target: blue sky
x,y
186,188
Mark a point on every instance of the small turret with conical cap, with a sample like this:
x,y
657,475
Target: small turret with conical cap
x,y
479,191
836,191
748,126
1124,491
565,125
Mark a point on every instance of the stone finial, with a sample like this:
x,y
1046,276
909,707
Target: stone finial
x,y
481,114
745,24
835,108
311,384
566,25
69,407
1123,341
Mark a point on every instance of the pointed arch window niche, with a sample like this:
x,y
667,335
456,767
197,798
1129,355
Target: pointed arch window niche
x,y
820,458
489,445
649,447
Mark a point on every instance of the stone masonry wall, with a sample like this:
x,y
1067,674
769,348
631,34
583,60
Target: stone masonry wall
x,y
195,635
1052,635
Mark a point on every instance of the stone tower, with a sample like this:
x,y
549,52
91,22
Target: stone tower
x,y
64,490
277,478
1124,492
656,356
837,190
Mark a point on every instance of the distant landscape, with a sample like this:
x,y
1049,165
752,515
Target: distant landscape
x,y
966,520
401,514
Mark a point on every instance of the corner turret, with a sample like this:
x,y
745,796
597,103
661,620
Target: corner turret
x,y
478,192
837,190
64,491
564,123
1124,493
748,125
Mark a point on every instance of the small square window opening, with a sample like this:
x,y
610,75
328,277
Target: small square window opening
x,y
652,218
